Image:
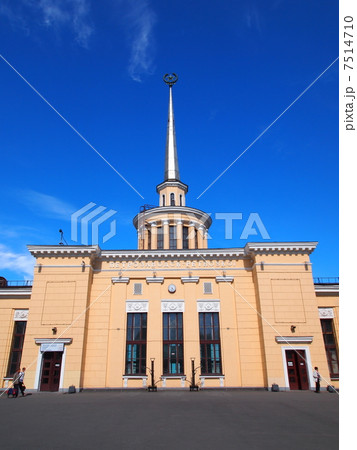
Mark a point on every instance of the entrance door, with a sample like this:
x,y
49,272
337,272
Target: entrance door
x,y
51,371
296,364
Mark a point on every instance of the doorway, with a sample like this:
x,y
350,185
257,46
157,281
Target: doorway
x,y
51,371
296,368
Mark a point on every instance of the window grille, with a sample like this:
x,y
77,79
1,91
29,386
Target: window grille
x,y
138,288
207,288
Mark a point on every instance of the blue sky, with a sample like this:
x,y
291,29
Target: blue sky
x,y
100,65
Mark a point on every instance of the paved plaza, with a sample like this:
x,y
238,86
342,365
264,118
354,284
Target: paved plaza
x,y
217,419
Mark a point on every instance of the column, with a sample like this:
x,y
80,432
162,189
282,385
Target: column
x,y
153,227
191,235
166,234
145,238
179,226
201,233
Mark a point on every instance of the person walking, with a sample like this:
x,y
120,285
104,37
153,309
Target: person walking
x,y
15,382
21,381
317,379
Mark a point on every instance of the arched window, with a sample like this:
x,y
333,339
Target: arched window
x,y
163,200
172,199
180,200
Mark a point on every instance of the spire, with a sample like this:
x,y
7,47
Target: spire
x,y
172,171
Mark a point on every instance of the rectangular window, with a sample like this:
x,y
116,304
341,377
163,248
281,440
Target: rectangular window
x,y
210,346
138,289
330,346
173,344
135,363
207,288
160,238
16,347
185,237
172,234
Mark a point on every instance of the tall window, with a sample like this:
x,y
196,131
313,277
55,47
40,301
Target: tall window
x,y
173,344
185,237
163,200
172,199
210,347
136,344
180,200
160,238
172,235
330,347
16,347
196,237
149,239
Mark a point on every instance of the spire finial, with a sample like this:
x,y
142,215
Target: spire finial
x,y
171,162
170,79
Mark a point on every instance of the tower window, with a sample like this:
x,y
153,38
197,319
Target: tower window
x,y
172,199
180,200
160,238
163,200
185,237
173,237
149,239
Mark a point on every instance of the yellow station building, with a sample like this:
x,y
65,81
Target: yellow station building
x,y
249,317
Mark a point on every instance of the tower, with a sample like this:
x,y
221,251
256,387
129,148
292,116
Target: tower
x,y
172,225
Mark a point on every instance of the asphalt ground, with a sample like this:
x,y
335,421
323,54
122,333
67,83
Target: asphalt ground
x,y
217,420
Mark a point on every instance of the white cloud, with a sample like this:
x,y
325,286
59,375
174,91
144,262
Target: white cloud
x,y
16,262
141,20
253,18
47,205
54,14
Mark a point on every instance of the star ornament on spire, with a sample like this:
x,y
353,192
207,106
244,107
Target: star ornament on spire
x,y
170,79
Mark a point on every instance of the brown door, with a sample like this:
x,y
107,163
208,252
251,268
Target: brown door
x,y
51,371
296,364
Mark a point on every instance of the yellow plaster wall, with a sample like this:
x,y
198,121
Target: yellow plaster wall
x,y
258,305
308,323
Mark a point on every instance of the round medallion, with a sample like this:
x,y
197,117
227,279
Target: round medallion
x,y
170,78
172,288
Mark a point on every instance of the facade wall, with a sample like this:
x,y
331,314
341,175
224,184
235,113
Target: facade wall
x,y
261,298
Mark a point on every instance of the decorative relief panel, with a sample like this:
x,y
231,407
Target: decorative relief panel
x,y
133,306
326,313
208,306
172,306
21,314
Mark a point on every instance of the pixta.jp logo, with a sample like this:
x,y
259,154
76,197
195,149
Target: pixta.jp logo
x,y
89,229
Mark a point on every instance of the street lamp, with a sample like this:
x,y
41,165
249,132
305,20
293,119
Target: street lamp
x,y
193,385
152,387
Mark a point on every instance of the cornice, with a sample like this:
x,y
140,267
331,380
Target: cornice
x,y
294,339
166,254
326,288
196,214
16,292
264,248
64,250
172,183
65,341
190,279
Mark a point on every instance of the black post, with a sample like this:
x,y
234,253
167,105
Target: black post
x,y
152,387
193,386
